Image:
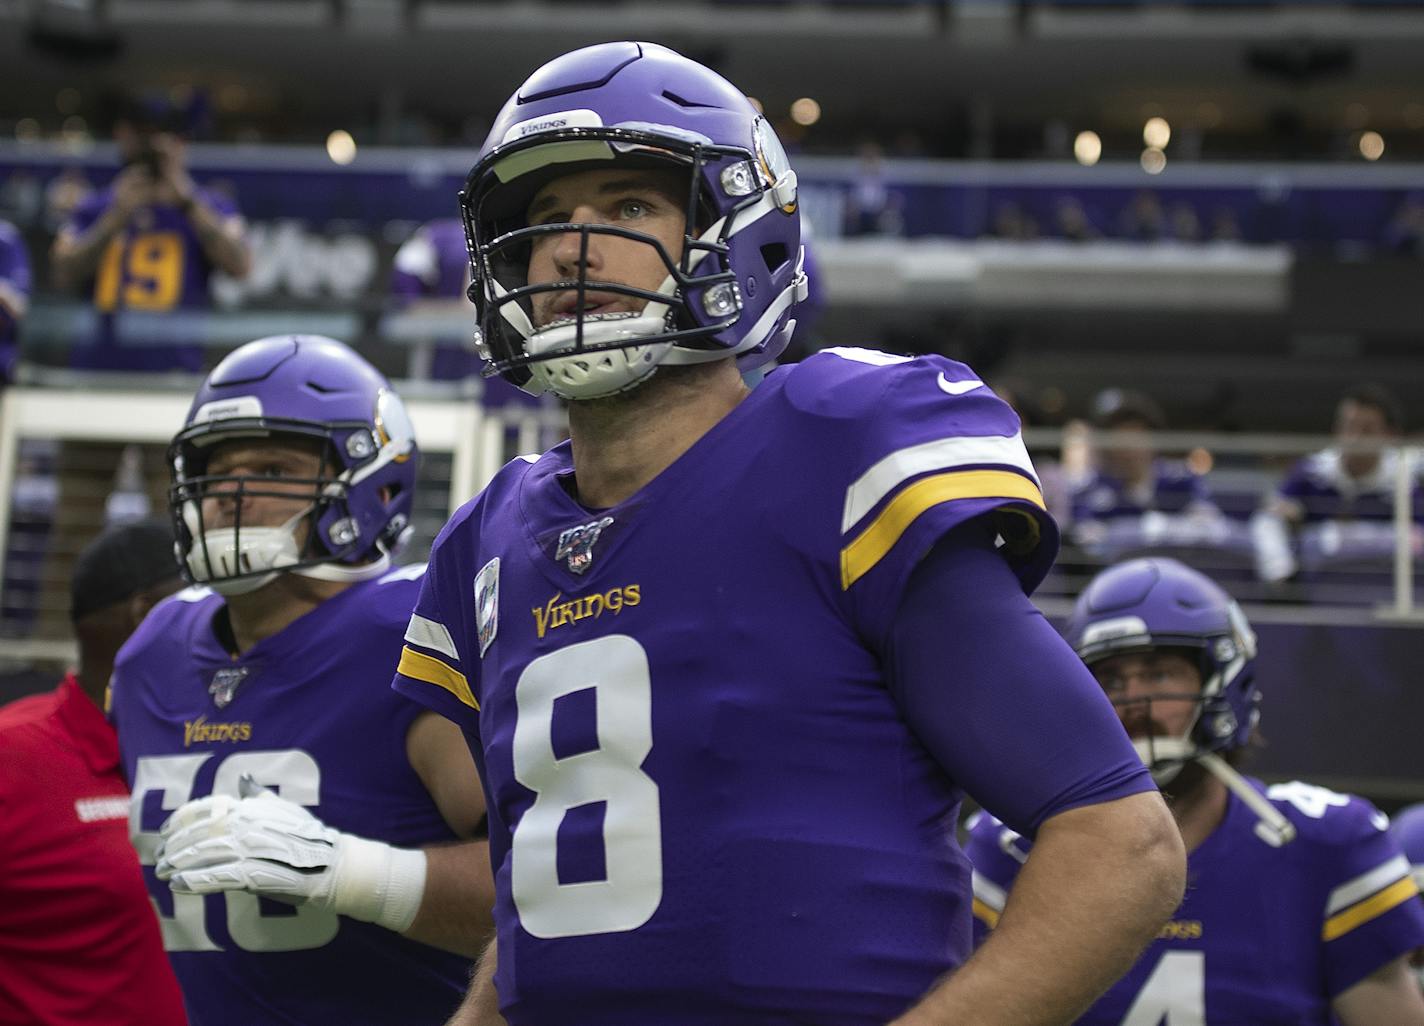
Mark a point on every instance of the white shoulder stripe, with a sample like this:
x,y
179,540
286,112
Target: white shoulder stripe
x,y
431,635
940,454
874,357
989,892
1365,884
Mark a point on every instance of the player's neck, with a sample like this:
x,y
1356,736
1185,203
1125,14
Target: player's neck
x,y
1198,805
275,606
621,443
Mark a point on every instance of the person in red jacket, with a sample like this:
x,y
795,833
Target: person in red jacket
x,y
79,940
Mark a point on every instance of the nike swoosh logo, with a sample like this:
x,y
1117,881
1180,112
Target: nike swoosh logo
x,y
958,387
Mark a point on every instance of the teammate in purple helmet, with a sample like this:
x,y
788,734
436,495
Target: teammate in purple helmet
x,y
1301,910
730,655
309,837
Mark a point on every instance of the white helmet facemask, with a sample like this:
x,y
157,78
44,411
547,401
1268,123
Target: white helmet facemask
x,y
236,561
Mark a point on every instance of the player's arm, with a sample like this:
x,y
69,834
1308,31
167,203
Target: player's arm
x,y
1023,726
1389,994
1083,907
457,907
481,1004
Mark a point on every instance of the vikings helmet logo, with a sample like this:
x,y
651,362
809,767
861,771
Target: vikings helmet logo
x,y
576,544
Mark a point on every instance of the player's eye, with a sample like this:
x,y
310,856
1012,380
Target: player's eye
x,y
631,209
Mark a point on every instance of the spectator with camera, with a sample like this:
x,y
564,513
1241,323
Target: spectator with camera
x,y
148,244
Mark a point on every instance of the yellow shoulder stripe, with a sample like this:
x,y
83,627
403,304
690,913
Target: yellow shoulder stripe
x,y
861,555
417,666
985,914
1396,893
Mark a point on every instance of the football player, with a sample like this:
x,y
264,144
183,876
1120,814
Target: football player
x,y
1299,905
729,656
314,827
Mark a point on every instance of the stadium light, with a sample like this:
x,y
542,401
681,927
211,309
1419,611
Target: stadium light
x,y
1088,148
1153,160
340,147
27,130
1156,133
805,111
1371,145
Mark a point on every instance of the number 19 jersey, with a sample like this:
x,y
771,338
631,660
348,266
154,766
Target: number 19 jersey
x,y
705,806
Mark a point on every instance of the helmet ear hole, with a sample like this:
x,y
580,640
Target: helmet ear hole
x,y
775,255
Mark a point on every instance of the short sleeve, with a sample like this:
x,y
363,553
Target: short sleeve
x,y
435,665
222,203
416,267
86,213
934,447
1372,912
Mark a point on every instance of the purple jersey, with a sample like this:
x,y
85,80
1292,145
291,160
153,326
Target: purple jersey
x,y
433,262
309,713
14,293
154,265
1264,935
1323,490
705,804
1175,489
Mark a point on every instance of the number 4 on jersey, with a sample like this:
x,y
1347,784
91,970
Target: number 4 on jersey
x,y
1175,993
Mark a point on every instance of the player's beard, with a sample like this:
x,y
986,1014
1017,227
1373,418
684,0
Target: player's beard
x,y
1187,784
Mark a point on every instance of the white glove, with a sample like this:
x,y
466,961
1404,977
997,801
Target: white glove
x,y
263,844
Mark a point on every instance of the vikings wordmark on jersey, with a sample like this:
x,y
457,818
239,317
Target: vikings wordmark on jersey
x,y
1267,935
690,734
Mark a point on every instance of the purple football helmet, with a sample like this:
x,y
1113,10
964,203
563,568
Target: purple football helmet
x,y
1151,603
728,293
359,502
1407,827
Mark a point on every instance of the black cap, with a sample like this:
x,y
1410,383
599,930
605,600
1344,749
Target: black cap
x,y
121,562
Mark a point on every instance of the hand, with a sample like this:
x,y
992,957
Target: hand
x,y
133,188
259,843
175,185
262,844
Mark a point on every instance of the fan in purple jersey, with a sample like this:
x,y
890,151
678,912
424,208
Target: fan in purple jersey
x,y
308,836
1134,497
727,657
14,295
147,245
1301,909
431,272
1335,509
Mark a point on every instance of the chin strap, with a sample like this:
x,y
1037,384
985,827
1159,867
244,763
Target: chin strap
x,y
1167,755
1271,826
